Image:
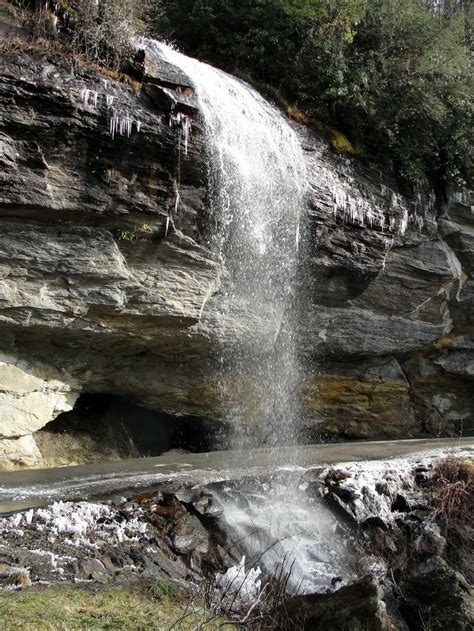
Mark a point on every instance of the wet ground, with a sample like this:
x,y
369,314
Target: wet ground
x,y
20,490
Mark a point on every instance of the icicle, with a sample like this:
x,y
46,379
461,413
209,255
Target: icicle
x,y
85,95
89,97
355,210
122,125
184,123
167,225
114,123
109,99
431,200
404,222
177,201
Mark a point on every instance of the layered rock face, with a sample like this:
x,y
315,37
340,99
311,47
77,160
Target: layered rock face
x,y
389,321
108,283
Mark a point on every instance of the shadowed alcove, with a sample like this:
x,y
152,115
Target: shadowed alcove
x,y
105,427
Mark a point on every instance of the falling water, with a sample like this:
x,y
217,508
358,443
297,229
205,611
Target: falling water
x,y
257,184
283,531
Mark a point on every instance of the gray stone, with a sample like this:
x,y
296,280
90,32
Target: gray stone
x,y
94,286
31,395
358,607
437,599
363,332
19,452
91,569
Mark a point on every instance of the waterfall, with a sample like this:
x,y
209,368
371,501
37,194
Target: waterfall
x,y
257,182
282,530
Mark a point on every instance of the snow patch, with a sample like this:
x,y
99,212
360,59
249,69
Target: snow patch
x,y
78,524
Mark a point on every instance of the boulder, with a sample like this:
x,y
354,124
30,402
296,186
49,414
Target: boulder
x,y
436,597
31,395
358,607
19,452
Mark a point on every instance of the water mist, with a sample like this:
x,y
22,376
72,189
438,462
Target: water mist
x,y
257,181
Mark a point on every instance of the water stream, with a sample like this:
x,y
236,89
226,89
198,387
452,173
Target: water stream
x,y
257,181
284,531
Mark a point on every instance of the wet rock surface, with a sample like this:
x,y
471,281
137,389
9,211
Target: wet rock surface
x,y
107,277
358,607
393,572
149,536
438,597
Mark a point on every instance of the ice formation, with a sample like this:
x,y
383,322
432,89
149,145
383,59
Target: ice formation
x,y
168,219
387,212
77,524
184,123
89,97
462,197
382,208
355,209
246,584
404,221
122,124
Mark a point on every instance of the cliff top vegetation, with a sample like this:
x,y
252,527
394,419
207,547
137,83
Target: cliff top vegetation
x,y
394,75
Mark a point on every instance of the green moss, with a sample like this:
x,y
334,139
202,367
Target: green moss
x,y
342,144
125,234
339,141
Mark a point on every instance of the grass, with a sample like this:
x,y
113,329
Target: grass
x,y
69,608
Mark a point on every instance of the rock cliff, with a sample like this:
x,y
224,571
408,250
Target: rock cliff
x,y
108,283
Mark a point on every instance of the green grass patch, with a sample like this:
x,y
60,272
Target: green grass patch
x,y
72,608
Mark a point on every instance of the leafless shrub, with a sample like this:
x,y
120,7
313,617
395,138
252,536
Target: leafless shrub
x,y
453,485
453,501
265,612
32,29
270,613
101,31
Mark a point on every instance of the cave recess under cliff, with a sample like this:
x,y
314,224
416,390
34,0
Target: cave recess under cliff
x,y
104,427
